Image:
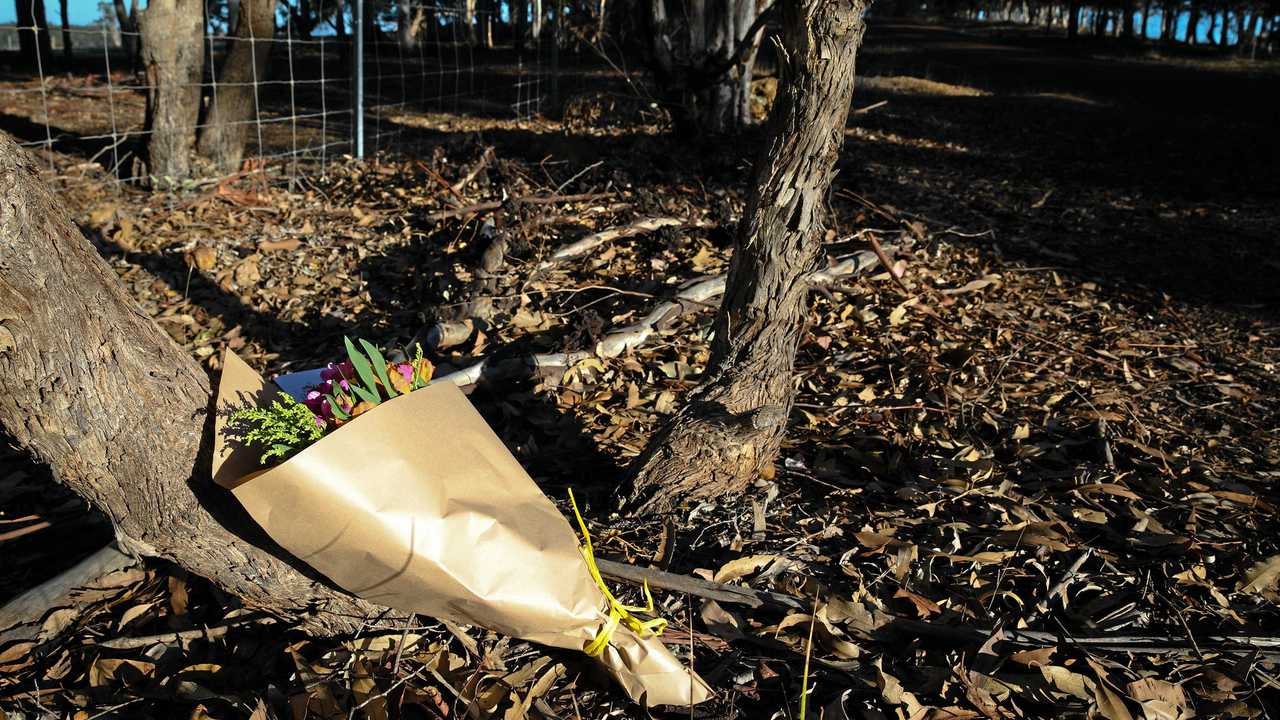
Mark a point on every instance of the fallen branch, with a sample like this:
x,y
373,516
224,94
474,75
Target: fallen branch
x,y
595,240
741,595
525,200
20,618
697,587
483,162
212,633
694,296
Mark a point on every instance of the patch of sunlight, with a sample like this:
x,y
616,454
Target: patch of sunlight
x,y
906,85
888,138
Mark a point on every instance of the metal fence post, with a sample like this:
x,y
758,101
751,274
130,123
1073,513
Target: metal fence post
x,y
358,71
555,59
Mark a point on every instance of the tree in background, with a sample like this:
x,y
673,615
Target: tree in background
x,y
411,20
732,425
702,56
233,100
128,21
33,33
66,31
173,58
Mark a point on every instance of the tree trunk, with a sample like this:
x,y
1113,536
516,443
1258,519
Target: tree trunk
x,y
173,54
409,23
1192,21
128,22
234,100
1073,19
94,388
33,34
1128,14
1146,14
66,32
731,427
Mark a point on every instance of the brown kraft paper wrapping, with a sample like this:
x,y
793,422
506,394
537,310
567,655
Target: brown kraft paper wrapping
x,y
417,505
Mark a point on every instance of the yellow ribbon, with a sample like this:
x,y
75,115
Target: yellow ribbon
x,y
619,614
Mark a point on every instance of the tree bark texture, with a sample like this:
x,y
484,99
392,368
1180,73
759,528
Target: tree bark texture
x,y
233,104
173,55
33,34
94,388
732,426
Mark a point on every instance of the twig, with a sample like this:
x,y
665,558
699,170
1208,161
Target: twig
x,y
128,643
870,107
485,157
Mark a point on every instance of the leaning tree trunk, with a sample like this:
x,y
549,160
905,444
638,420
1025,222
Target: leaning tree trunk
x,y
733,424
94,388
234,100
173,55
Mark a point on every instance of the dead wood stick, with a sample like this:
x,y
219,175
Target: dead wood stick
x,y
480,164
695,296
20,617
590,242
696,586
526,200
212,633
740,595
869,108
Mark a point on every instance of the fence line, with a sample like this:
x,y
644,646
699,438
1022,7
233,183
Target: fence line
x,y
321,97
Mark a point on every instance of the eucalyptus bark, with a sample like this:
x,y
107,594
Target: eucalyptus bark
x,y
732,426
173,56
91,386
233,104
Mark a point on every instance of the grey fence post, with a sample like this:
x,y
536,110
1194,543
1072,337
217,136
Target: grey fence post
x,y
357,107
555,59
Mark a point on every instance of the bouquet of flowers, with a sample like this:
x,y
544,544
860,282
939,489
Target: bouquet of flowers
x,y
398,491
346,391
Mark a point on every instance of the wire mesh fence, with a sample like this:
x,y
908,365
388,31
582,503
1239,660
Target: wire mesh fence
x,y
355,79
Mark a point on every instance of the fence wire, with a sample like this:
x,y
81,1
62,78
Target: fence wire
x,y
82,105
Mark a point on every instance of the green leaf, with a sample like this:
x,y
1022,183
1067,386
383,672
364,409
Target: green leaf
x,y
336,408
379,366
365,395
365,372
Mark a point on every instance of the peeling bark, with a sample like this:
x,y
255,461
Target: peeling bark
x,y
90,385
733,424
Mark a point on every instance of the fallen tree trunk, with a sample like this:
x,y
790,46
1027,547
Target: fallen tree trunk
x,y
92,387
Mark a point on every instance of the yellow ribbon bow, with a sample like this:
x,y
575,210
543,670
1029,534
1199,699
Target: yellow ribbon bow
x,y
619,614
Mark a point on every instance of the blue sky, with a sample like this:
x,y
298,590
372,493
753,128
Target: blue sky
x,y
82,12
